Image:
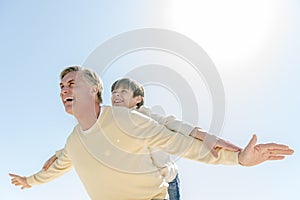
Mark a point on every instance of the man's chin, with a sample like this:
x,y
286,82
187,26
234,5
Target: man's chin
x,y
69,111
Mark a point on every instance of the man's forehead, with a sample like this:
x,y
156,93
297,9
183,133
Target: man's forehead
x,y
72,76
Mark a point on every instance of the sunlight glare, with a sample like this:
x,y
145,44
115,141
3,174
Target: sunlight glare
x,y
246,27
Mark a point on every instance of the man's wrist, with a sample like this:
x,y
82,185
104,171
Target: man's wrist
x,y
241,160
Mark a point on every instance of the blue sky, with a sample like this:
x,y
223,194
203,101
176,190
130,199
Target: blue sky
x,y
254,45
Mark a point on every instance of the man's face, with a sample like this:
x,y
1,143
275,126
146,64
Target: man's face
x,y
124,97
74,92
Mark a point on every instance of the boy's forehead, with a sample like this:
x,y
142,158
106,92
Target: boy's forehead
x,y
122,86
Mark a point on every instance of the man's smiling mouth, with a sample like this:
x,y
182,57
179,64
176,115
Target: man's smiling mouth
x,y
68,99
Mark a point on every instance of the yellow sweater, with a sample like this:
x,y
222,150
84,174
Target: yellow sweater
x,y
112,159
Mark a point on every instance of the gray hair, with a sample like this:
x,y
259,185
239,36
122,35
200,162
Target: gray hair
x,y
89,75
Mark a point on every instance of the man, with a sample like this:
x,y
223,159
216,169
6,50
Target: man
x,y
129,93
109,148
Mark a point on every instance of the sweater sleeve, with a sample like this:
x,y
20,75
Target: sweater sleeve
x,y
189,147
61,165
59,152
156,135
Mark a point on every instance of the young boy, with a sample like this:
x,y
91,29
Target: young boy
x,y
129,93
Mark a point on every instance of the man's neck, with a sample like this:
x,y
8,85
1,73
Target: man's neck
x,y
87,119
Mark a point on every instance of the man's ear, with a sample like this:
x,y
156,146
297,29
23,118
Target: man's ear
x,y
94,89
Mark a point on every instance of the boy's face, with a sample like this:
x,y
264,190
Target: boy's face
x,y
124,97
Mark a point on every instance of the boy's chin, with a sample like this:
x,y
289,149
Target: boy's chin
x,y
119,104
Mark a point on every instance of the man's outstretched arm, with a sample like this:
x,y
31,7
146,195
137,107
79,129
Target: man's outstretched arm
x,y
60,166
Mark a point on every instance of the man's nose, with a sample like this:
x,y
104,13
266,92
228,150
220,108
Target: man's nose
x,y
65,90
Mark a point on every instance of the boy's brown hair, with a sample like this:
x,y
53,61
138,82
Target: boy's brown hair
x,y
134,86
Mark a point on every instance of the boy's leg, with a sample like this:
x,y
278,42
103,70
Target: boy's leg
x,y
173,189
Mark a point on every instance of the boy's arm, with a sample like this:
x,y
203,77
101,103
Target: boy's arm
x,y
213,142
173,124
169,121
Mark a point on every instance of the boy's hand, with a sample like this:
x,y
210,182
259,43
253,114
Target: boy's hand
x,y
213,143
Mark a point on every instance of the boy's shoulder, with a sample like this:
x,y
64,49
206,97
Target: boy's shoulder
x,y
124,112
144,110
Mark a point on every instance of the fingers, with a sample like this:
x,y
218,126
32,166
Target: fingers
x,y
253,141
25,186
19,181
228,146
216,142
15,182
46,166
276,154
277,149
214,153
16,179
277,146
232,146
49,162
13,175
281,152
